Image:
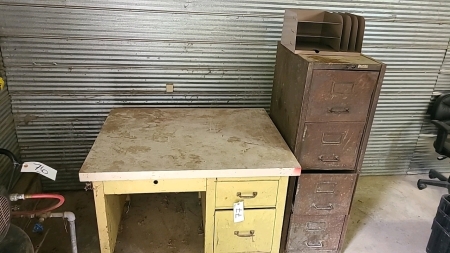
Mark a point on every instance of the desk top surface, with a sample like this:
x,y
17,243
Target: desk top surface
x,y
147,143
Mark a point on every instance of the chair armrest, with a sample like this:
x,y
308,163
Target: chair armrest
x,y
443,131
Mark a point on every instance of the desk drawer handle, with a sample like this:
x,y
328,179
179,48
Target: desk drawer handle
x,y
339,110
240,195
328,207
251,233
314,245
325,160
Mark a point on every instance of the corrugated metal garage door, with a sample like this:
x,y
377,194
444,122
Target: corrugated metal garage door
x,y
69,62
424,156
8,138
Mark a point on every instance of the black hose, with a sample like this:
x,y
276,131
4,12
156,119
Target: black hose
x,y
11,156
17,164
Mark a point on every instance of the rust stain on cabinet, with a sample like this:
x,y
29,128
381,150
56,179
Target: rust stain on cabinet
x,y
330,146
340,95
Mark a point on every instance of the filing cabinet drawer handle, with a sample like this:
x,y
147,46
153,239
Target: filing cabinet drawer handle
x,y
339,110
242,196
329,160
314,245
328,207
251,233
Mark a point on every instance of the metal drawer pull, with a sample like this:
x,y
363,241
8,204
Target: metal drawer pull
x,y
314,245
251,233
240,195
328,207
339,110
325,160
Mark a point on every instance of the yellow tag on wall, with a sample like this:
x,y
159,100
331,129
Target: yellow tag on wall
x,y
2,84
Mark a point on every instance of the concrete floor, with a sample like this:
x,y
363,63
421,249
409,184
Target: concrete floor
x,y
389,214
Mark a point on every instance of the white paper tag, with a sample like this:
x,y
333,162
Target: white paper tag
x,y
39,168
238,211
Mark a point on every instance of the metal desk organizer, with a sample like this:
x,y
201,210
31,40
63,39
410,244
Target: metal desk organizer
x,y
229,155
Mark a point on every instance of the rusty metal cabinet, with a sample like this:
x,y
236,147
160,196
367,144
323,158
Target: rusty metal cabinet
x,y
323,106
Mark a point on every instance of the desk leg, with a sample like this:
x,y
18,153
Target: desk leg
x,y
209,214
279,216
109,210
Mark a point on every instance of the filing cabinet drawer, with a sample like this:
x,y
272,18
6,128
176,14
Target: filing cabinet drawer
x,y
340,95
159,185
315,233
254,234
324,194
330,145
253,193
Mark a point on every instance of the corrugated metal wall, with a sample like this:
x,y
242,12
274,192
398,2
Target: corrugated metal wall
x,y
69,62
8,138
424,156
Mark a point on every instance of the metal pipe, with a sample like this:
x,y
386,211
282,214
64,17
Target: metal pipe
x,y
71,219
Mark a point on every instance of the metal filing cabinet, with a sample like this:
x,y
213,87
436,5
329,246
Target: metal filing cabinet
x,y
323,105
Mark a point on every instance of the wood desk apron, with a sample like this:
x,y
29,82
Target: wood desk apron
x,y
228,155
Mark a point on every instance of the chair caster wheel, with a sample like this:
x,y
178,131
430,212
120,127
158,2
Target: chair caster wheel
x,y
431,175
421,186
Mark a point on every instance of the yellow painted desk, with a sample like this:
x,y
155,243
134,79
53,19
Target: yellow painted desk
x,y
228,155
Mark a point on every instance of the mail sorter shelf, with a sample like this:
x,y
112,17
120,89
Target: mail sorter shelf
x,y
322,32
323,106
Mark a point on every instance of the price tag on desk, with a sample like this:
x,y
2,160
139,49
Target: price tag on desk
x,y
238,211
39,168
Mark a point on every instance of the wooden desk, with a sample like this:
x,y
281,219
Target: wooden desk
x,y
228,155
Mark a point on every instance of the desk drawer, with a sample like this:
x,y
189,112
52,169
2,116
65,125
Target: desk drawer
x,y
151,186
253,193
254,234
314,233
324,194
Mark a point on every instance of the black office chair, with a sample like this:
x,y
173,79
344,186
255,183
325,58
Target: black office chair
x,y
440,117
